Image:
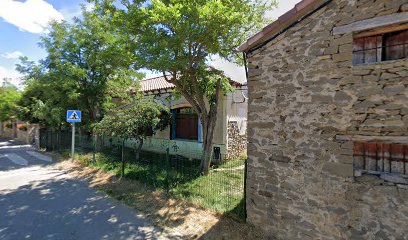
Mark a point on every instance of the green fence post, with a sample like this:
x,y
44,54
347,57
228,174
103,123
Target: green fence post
x,y
245,189
123,158
58,146
52,143
80,142
94,148
167,171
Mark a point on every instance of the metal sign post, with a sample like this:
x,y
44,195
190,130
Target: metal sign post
x,y
73,116
73,142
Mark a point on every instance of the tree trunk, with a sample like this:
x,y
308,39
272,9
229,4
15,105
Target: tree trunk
x,y
208,117
139,148
209,123
208,133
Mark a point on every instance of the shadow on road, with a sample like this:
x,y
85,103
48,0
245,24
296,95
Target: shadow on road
x,y
64,208
12,149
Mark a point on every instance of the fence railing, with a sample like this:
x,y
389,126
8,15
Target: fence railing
x,y
163,167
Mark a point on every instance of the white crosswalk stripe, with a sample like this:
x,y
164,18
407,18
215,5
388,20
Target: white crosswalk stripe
x,y
15,146
40,156
16,159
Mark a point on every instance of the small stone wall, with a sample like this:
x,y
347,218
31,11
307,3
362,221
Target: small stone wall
x,y
304,92
237,143
31,136
6,132
22,135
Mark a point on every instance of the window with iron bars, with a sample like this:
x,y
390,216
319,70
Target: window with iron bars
x,y
379,157
383,47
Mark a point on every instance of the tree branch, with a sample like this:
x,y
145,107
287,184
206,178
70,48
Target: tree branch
x,y
185,94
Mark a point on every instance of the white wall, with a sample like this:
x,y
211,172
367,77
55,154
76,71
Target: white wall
x,y
237,108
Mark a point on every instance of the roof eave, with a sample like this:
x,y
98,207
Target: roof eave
x,y
283,23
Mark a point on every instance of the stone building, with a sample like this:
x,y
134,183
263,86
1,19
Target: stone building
x,y
184,135
328,121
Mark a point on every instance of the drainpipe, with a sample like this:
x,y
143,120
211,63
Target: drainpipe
x,y
246,160
245,65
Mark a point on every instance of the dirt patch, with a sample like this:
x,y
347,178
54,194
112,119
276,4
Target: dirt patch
x,y
174,215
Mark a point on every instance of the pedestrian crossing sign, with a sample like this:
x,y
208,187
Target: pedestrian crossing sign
x,y
73,116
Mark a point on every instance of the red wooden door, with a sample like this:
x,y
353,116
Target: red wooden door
x,y
187,126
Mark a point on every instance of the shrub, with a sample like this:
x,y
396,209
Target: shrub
x,y
22,127
9,125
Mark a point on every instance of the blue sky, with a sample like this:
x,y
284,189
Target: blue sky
x,y
23,22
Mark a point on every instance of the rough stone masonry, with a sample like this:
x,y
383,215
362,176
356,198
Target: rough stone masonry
x,y
305,94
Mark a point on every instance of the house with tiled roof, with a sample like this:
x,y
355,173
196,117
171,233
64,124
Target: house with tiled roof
x,y
184,135
328,121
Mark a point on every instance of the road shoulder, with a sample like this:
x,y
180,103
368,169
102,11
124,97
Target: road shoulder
x,y
177,217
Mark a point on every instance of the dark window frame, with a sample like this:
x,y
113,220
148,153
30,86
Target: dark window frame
x,y
380,47
180,130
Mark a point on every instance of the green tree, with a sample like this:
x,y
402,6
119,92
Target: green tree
x,y
178,38
87,64
137,118
42,100
9,96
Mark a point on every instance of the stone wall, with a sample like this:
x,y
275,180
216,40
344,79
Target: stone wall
x,y
304,93
237,143
31,136
6,132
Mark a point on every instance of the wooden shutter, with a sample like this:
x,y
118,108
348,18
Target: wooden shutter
x,y
186,126
367,50
384,47
358,51
395,45
381,157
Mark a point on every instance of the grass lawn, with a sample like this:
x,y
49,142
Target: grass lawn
x,y
221,190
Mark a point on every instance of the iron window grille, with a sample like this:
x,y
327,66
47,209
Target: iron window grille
x,y
383,47
381,157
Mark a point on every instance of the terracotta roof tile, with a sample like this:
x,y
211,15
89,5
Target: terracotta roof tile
x,y
255,38
287,16
301,5
160,83
157,83
271,26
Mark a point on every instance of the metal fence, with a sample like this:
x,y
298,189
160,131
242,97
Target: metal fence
x,y
163,168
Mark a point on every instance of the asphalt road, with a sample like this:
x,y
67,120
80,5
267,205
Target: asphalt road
x,y
38,201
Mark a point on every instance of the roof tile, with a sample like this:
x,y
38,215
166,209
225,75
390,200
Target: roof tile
x,y
255,38
157,83
303,4
271,26
160,83
287,16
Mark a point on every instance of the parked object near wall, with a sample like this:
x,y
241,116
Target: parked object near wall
x,y
328,122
